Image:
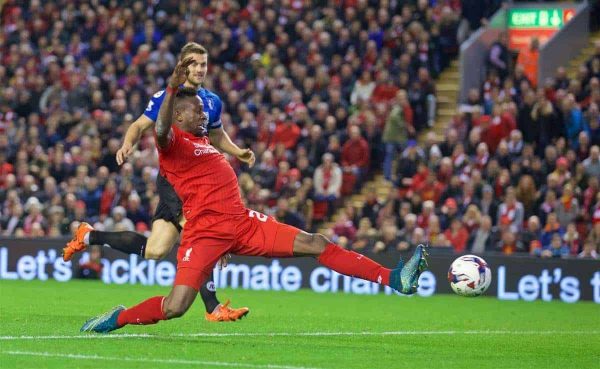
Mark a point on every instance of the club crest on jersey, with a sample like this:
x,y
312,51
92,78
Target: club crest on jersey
x,y
188,252
211,104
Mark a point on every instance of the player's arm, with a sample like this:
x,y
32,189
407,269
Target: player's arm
x,y
165,114
165,118
132,136
221,140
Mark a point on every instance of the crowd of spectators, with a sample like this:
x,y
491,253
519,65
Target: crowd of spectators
x,y
517,172
308,85
326,93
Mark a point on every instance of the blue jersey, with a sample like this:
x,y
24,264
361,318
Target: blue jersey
x,y
212,107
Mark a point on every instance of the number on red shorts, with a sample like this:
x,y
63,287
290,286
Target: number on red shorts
x,y
260,216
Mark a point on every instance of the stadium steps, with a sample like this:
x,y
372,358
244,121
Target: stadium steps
x,y
378,182
583,56
447,88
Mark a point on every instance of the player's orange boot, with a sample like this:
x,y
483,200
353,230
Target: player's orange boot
x,y
77,244
223,313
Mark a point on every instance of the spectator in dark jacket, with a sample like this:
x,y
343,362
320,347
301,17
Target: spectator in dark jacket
x,y
484,239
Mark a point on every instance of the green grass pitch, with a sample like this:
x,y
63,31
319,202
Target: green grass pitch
x,y
40,321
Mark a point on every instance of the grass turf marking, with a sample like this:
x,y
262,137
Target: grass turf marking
x,y
148,360
291,334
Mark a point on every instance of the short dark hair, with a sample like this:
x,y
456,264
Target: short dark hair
x,y
192,48
183,94
186,92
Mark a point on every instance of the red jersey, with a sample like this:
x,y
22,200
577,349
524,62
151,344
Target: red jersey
x,y
286,134
200,175
356,152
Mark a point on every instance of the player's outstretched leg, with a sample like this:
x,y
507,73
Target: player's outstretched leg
x,y
105,322
403,278
77,244
164,235
85,235
150,311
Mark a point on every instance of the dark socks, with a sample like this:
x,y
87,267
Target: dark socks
x,y
209,294
127,242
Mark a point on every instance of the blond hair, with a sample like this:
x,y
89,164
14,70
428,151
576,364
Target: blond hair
x,y
192,48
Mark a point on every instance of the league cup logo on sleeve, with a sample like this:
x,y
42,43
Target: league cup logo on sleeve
x,y
186,257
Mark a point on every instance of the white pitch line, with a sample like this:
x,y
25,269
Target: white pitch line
x,y
149,360
292,334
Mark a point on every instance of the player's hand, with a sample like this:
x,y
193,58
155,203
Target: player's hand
x,y
223,261
247,156
124,153
180,73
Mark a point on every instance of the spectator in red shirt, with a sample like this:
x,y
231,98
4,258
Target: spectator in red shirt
x,y
5,168
431,189
457,235
450,212
445,171
287,133
107,198
345,227
283,175
356,154
499,127
385,90
419,178
295,104
92,268
426,213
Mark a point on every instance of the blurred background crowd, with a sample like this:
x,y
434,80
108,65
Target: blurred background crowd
x,y
327,94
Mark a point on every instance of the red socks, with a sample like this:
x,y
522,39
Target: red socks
x,y
334,257
146,312
354,264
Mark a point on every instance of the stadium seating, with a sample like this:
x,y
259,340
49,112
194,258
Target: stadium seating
x,y
295,81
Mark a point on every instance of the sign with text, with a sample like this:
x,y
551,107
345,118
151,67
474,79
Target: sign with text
x,y
514,278
526,23
537,18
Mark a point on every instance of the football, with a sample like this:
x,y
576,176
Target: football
x,y
469,275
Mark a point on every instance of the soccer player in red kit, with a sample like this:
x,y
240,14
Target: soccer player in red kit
x,y
218,223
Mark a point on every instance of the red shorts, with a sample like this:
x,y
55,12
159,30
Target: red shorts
x,y
209,236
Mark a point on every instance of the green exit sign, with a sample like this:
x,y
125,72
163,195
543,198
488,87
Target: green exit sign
x,y
536,18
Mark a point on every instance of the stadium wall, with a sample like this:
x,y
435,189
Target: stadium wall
x,y
474,51
514,277
566,43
